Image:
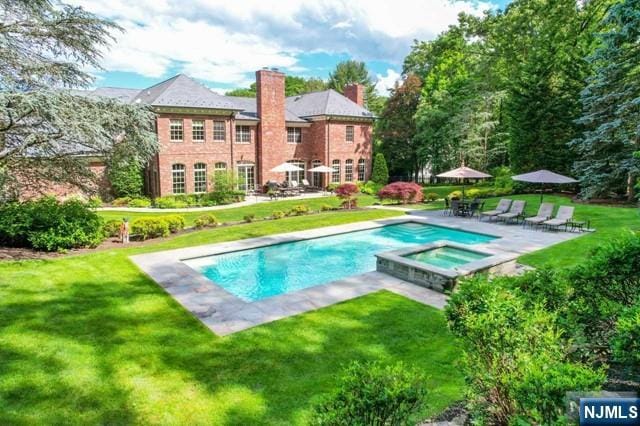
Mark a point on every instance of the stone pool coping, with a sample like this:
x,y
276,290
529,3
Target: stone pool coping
x,y
225,313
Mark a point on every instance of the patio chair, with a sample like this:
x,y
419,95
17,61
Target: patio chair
x,y
502,207
447,207
515,212
455,207
475,208
545,212
564,216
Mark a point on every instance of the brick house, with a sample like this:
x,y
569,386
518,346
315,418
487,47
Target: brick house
x,y
200,131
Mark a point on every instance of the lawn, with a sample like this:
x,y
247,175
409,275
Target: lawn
x,y
91,339
608,222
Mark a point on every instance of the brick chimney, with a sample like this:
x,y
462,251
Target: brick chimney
x,y
355,92
271,130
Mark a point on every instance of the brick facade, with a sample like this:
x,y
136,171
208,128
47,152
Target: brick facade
x,y
323,140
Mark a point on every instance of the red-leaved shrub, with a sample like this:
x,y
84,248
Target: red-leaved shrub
x,y
347,193
405,192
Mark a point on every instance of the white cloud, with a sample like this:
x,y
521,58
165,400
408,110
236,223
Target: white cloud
x,y
386,82
225,41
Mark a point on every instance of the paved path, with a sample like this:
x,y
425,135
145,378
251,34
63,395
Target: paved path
x,y
249,200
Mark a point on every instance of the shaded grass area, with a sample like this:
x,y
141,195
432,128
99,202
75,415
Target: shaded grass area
x,y
607,220
91,339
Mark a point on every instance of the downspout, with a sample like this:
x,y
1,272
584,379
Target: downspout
x,y
329,177
232,135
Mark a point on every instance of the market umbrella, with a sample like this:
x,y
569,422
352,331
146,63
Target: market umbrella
x,y
464,173
322,169
542,177
286,167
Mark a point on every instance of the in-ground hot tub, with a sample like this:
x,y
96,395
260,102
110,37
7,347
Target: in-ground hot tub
x,y
439,265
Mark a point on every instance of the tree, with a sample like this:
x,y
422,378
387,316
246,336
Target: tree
x,y
397,128
355,72
380,172
292,86
47,132
611,108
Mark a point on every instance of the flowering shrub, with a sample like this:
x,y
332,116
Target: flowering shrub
x,y
347,193
406,192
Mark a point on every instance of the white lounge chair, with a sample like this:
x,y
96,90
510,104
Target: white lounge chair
x,y
502,207
545,212
564,216
515,212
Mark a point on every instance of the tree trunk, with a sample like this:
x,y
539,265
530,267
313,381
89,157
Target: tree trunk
x,y
631,193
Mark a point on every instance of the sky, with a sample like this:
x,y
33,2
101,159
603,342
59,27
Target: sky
x,y
223,42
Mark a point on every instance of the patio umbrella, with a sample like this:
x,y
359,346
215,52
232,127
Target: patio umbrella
x,y
464,173
286,167
542,177
322,169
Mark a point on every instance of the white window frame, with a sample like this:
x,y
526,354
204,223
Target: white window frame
x,y
348,170
178,177
247,133
217,131
350,134
335,174
294,135
199,178
201,131
176,126
362,169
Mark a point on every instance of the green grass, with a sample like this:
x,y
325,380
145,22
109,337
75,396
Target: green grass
x,y
90,339
442,190
607,220
231,214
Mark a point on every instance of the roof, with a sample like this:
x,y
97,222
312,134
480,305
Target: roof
x,y
183,91
327,102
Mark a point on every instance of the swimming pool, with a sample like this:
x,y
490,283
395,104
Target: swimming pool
x,y
268,271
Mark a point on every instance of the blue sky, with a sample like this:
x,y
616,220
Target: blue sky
x,y
222,42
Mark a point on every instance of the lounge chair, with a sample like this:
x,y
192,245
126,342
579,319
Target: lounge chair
x,y
545,212
564,215
502,207
515,212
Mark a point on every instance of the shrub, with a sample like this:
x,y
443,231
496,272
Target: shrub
x,y
380,172
405,192
111,228
626,339
515,360
121,202
125,178
174,222
150,227
167,202
249,218
326,207
277,214
205,220
332,187
139,202
430,196
373,394
49,225
370,188
347,192
299,210
94,202
455,194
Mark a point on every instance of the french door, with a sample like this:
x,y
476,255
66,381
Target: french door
x,y
246,177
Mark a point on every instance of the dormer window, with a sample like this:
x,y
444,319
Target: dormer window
x,y
294,135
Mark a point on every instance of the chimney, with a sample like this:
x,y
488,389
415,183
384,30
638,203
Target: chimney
x,y
271,129
355,92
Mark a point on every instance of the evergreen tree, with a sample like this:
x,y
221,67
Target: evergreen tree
x,y
611,104
351,72
380,172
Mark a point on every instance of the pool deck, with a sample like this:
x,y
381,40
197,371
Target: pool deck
x,y
225,313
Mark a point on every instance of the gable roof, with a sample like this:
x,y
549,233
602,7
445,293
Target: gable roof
x,y
183,91
326,102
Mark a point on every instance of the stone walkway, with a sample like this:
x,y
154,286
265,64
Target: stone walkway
x,y
224,313
249,201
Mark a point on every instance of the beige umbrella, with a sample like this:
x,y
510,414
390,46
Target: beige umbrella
x,y
286,167
464,173
322,169
542,177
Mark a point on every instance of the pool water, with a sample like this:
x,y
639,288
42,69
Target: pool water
x,y
268,271
446,257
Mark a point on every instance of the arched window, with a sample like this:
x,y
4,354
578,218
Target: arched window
x,y
335,176
297,175
362,170
348,170
177,175
199,177
220,166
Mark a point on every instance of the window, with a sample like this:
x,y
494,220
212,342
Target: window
x,y
199,177
177,175
348,170
175,130
294,135
197,130
349,134
220,166
243,134
316,178
246,177
297,175
335,175
362,170
219,131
